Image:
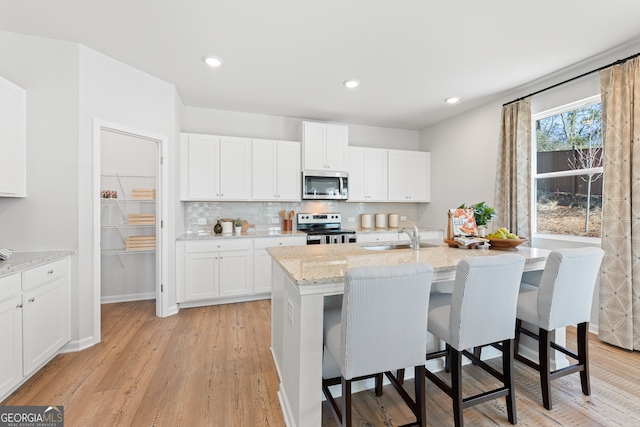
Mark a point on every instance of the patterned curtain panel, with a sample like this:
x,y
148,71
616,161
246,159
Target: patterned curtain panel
x,y
619,322
512,198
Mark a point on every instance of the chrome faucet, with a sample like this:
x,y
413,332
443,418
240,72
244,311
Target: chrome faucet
x,y
414,235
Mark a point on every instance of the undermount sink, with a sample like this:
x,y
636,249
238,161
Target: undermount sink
x,y
391,246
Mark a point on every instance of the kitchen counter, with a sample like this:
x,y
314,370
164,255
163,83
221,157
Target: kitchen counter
x,y
318,264
23,260
253,234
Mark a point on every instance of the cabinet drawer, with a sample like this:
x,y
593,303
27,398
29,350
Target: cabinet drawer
x,y
10,286
43,273
270,242
219,245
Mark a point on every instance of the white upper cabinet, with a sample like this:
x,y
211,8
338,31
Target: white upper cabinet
x,y
215,167
409,176
13,143
235,168
325,146
276,170
367,174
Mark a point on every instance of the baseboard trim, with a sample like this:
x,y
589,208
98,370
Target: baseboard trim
x,y
128,297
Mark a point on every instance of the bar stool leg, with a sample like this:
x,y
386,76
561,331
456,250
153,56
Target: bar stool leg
x,y
544,349
516,344
583,356
507,370
456,384
346,403
420,391
379,378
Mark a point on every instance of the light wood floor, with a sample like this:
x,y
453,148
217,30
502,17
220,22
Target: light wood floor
x,y
212,366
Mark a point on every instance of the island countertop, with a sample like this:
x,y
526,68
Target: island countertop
x,y
318,264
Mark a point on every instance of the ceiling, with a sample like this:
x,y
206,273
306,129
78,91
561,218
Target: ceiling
x,y
290,57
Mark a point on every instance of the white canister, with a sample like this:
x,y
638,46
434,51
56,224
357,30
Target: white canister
x,y
393,220
381,221
365,221
227,227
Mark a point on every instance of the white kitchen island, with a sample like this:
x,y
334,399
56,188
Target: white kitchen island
x,y
305,278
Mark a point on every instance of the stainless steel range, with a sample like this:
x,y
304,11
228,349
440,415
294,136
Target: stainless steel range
x,y
324,229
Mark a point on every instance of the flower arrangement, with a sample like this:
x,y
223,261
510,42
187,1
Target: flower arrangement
x,y
482,213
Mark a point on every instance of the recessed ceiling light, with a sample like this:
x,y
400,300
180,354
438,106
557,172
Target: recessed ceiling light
x,y
212,61
351,83
452,100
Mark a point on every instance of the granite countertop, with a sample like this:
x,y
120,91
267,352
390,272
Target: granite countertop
x,y
317,264
23,260
252,234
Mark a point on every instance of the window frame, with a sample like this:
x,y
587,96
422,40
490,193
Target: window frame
x,y
595,99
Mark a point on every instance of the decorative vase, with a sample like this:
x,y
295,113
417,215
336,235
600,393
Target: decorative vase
x,y
482,230
238,230
217,228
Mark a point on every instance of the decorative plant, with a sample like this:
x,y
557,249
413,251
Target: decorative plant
x,y
238,222
482,213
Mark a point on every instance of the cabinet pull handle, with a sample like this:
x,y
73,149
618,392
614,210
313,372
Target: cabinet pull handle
x,y
50,272
19,305
32,299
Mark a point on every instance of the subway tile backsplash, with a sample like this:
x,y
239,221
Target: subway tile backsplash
x,y
202,216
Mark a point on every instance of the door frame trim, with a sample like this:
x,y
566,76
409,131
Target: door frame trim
x,y
162,250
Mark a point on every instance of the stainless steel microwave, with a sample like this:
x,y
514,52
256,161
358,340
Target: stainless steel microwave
x,y
323,185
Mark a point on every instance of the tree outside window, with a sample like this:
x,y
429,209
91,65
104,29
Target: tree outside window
x,y
568,170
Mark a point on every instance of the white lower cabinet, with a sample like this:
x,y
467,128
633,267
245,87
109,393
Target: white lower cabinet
x,y
11,338
262,259
45,322
214,269
226,270
34,320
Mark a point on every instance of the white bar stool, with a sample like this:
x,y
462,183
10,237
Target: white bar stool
x,y
480,311
381,327
563,298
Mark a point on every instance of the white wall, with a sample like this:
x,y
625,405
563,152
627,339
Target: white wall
x,y
67,87
231,123
124,154
47,218
116,93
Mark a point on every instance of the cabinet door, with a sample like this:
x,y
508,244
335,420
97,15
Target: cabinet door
x,y
313,140
262,271
235,168
13,148
336,148
265,169
199,167
289,176
11,339
418,179
202,272
236,273
398,175
357,175
45,319
376,175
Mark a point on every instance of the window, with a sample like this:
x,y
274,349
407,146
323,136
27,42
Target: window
x,y
567,169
